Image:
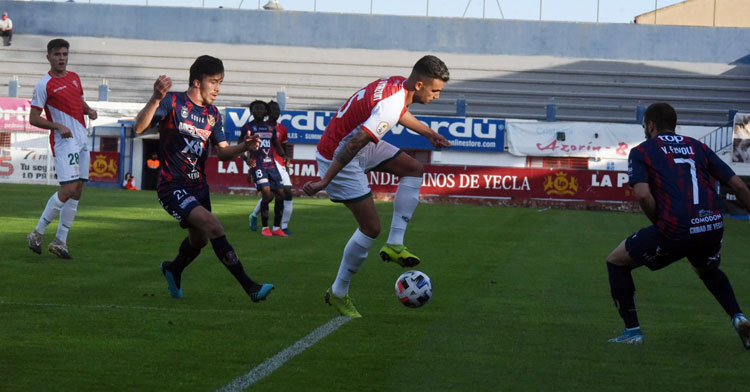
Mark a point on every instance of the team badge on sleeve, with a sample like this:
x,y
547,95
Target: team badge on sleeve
x,y
382,128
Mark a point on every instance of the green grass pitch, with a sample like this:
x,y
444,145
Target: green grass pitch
x,y
521,303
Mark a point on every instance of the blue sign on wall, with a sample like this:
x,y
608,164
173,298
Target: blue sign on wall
x,y
306,127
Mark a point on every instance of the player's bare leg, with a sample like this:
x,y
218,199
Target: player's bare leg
x,y
405,202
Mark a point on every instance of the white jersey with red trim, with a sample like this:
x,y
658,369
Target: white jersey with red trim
x,y
61,98
283,136
376,108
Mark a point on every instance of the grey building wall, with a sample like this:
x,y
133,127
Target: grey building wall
x,y
453,35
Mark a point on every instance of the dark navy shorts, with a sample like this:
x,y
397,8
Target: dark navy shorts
x,y
647,248
180,202
267,177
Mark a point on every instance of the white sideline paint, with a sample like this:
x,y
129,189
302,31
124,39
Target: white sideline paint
x,y
271,364
240,383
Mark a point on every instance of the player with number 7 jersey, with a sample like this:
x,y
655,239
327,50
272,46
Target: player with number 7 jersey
x,y
682,174
674,181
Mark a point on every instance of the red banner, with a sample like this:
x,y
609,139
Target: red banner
x,y
515,184
104,165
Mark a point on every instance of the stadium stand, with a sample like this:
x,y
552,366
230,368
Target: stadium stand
x,y
509,86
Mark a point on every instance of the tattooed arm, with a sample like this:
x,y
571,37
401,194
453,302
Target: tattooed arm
x,y
344,155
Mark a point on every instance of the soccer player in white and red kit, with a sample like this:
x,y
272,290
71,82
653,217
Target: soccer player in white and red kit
x,y
352,145
60,95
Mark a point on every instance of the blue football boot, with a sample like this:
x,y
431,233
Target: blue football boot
x,y
261,294
742,326
174,289
629,336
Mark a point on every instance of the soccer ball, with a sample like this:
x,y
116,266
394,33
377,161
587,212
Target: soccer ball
x,y
413,288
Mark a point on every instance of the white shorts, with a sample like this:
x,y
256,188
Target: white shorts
x,y
351,183
72,159
285,179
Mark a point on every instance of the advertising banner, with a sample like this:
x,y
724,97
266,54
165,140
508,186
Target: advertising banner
x,y
30,166
14,115
25,166
741,138
573,139
461,181
306,127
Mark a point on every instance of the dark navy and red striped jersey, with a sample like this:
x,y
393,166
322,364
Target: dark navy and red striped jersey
x,y
681,173
184,130
264,157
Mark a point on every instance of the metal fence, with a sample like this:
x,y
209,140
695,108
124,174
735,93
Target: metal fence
x,y
719,139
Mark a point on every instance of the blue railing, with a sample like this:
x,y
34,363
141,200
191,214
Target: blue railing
x,y
719,139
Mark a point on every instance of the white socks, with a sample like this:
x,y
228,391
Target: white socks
x,y
67,215
256,210
51,211
404,204
355,254
66,211
287,216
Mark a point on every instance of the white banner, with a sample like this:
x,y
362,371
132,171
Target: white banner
x,y
573,139
27,166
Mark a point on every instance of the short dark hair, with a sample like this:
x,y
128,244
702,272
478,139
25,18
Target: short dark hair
x,y
57,43
272,104
431,67
258,102
662,115
205,65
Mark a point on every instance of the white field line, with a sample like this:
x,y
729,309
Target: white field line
x,y
240,383
271,364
